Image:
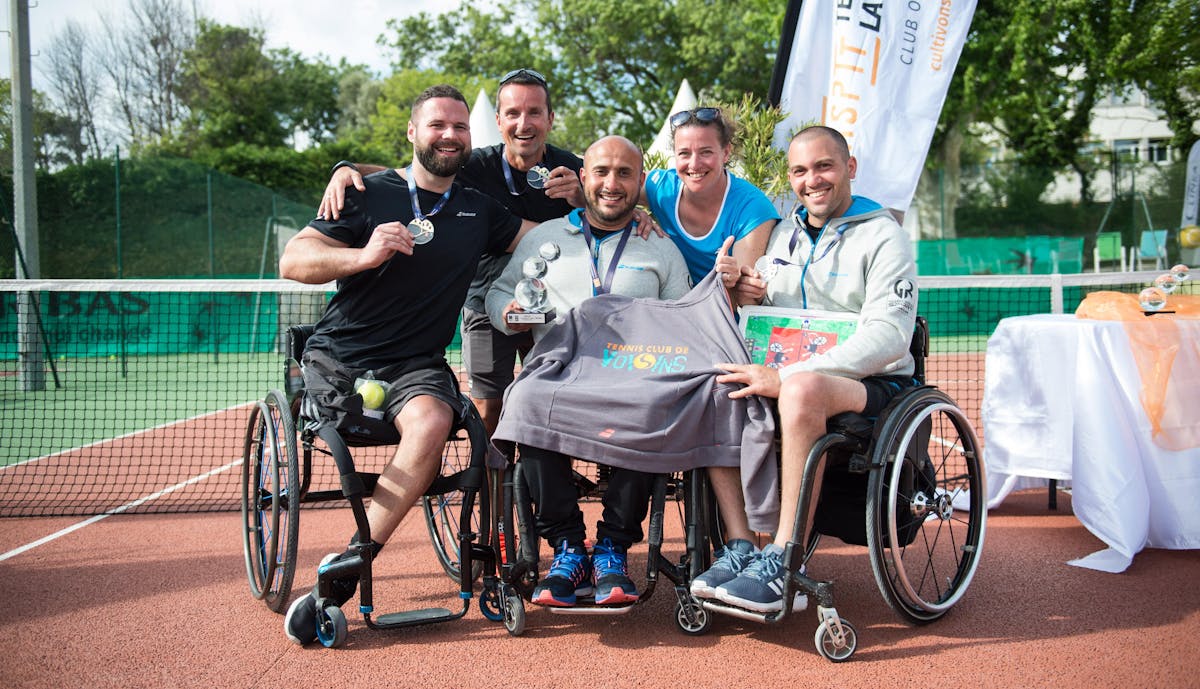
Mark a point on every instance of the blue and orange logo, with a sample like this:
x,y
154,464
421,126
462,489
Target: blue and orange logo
x,y
644,358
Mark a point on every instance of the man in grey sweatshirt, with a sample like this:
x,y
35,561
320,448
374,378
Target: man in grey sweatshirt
x,y
589,252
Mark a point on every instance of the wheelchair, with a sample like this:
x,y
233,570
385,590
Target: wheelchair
x,y
509,584
277,471
910,486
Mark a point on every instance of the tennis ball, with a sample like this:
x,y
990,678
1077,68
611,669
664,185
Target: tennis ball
x,y
372,394
1189,237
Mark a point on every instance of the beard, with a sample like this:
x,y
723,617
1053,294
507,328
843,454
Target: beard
x,y
440,165
607,214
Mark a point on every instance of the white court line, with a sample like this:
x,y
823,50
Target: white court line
x,y
118,510
130,434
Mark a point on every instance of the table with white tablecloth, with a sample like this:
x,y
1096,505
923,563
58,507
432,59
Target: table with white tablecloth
x,y
1064,399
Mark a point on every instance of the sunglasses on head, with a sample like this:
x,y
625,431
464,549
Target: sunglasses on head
x,y
701,115
524,73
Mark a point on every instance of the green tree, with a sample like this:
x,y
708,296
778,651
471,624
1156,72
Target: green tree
x,y
605,80
57,137
1032,72
307,93
229,87
1162,58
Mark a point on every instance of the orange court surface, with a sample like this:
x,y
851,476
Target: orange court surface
x,y
162,601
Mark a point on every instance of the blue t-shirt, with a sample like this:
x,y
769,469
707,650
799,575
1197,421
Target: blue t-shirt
x,y
745,208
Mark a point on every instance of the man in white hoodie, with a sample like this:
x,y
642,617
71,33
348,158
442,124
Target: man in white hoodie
x,y
839,253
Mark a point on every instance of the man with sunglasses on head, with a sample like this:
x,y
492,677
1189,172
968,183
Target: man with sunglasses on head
x,y
841,253
536,181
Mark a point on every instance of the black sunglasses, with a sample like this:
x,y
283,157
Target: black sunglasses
x,y
525,73
701,115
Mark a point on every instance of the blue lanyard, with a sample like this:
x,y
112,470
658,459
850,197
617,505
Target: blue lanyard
x,y
604,287
412,193
800,225
508,176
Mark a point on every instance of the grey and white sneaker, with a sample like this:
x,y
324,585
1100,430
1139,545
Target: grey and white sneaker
x,y
730,562
760,585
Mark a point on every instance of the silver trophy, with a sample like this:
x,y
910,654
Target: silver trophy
x,y
531,294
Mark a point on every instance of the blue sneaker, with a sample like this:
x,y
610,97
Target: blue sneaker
x,y
570,577
730,562
613,585
760,586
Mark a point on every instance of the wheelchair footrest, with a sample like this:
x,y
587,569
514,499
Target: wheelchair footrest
x,y
412,618
592,609
725,609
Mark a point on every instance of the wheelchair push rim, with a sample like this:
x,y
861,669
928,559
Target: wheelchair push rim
x,y
270,504
925,547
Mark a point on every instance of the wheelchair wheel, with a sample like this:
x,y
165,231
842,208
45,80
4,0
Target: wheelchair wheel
x,y
519,545
691,617
332,629
270,500
833,648
926,507
491,603
514,614
443,512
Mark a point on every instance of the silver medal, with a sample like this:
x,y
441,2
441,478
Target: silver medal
x,y
537,176
421,230
766,267
549,251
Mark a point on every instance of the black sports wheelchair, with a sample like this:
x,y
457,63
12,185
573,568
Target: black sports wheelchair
x,y
916,474
276,477
473,540
507,588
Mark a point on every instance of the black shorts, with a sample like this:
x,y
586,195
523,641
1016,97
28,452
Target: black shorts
x,y
490,355
329,386
881,390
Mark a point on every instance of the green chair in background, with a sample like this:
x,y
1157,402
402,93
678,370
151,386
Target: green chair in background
x,y
1108,248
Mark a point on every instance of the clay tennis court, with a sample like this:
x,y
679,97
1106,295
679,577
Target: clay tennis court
x,y
162,601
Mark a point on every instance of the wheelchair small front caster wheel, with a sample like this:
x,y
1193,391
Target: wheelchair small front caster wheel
x,y
331,626
491,603
692,618
514,614
828,645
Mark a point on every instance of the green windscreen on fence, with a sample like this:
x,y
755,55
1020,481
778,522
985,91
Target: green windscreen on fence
x,y
1036,255
134,395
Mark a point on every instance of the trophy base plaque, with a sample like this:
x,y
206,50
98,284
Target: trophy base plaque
x,y
531,317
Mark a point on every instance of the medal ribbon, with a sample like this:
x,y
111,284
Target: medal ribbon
x,y
605,286
508,175
800,224
412,193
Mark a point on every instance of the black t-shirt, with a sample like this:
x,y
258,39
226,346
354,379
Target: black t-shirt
x,y
485,172
408,305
